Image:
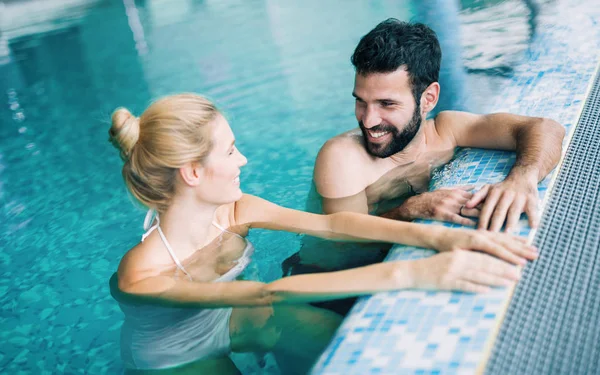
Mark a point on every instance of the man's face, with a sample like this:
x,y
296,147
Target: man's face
x,y
386,112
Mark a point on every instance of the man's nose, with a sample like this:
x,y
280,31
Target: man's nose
x,y
371,118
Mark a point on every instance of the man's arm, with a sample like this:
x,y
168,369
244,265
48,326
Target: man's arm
x,y
538,144
340,178
446,204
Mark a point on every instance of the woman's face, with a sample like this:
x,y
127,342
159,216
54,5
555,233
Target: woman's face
x,y
222,167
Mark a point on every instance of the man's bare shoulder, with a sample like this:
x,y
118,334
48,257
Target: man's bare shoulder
x,y
450,123
340,166
447,119
348,144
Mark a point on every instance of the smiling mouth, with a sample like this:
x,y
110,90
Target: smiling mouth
x,y
377,134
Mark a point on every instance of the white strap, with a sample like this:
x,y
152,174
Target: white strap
x,y
224,230
150,217
219,227
179,265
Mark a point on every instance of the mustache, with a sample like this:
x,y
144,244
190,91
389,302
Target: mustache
x,y
380,128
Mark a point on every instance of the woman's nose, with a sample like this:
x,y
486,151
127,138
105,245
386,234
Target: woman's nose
x,y
243,160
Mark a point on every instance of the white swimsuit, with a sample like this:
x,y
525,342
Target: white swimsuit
x,y
158,337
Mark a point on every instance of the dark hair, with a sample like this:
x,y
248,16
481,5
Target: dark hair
x,y
393,44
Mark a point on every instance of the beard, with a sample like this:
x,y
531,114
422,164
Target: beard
x,y
400,139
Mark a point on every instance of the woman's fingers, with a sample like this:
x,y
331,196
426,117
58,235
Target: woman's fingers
x,y
517,245
470,287
501,251
488,279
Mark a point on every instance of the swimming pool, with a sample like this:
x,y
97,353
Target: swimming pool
x,y
280,72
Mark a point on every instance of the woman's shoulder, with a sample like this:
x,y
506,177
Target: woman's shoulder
x,y
142,261
227,217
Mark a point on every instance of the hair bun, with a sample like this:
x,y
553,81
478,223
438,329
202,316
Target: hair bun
x,y
124,132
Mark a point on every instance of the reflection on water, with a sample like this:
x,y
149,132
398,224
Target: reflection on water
x,y
27,18
279,70
503,32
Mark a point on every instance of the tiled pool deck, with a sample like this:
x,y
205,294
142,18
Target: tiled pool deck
x,y
417,332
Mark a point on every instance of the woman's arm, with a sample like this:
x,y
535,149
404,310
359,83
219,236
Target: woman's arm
x,y
259,213
166,290
455,270
350,226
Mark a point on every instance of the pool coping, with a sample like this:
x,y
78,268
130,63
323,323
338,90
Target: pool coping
x,y
489,346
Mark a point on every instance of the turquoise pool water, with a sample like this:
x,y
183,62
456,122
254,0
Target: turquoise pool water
x,y
281,72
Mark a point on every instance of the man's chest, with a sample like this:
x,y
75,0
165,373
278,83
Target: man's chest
x,y
399,182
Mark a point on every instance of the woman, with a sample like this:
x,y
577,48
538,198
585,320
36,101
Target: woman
x,y
185,308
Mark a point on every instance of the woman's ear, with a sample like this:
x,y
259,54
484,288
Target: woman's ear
x,y
191,174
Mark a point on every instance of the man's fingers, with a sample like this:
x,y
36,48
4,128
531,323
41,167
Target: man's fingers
x,y
470,212
457,193
514,213
488,209
478,197
467,195
466,191
464,187
532,213
454,218
500,211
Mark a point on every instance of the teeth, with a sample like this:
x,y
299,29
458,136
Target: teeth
x,y
237,179
378,134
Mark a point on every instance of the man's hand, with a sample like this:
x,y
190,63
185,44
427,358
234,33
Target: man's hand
x,y
506,201
446,204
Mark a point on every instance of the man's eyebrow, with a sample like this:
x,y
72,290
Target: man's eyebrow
x,y
379,100
388,101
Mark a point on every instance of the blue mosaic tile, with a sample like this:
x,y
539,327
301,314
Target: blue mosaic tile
x,y
450,330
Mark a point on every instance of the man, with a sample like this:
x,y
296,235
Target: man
x,y
384,166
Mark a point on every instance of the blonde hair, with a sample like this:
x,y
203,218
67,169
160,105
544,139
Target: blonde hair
x,y
170,133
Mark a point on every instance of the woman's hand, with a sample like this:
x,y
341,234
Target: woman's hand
x,y
462,270
510,248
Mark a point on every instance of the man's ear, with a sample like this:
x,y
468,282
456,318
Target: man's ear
x,y
192,173
429,98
